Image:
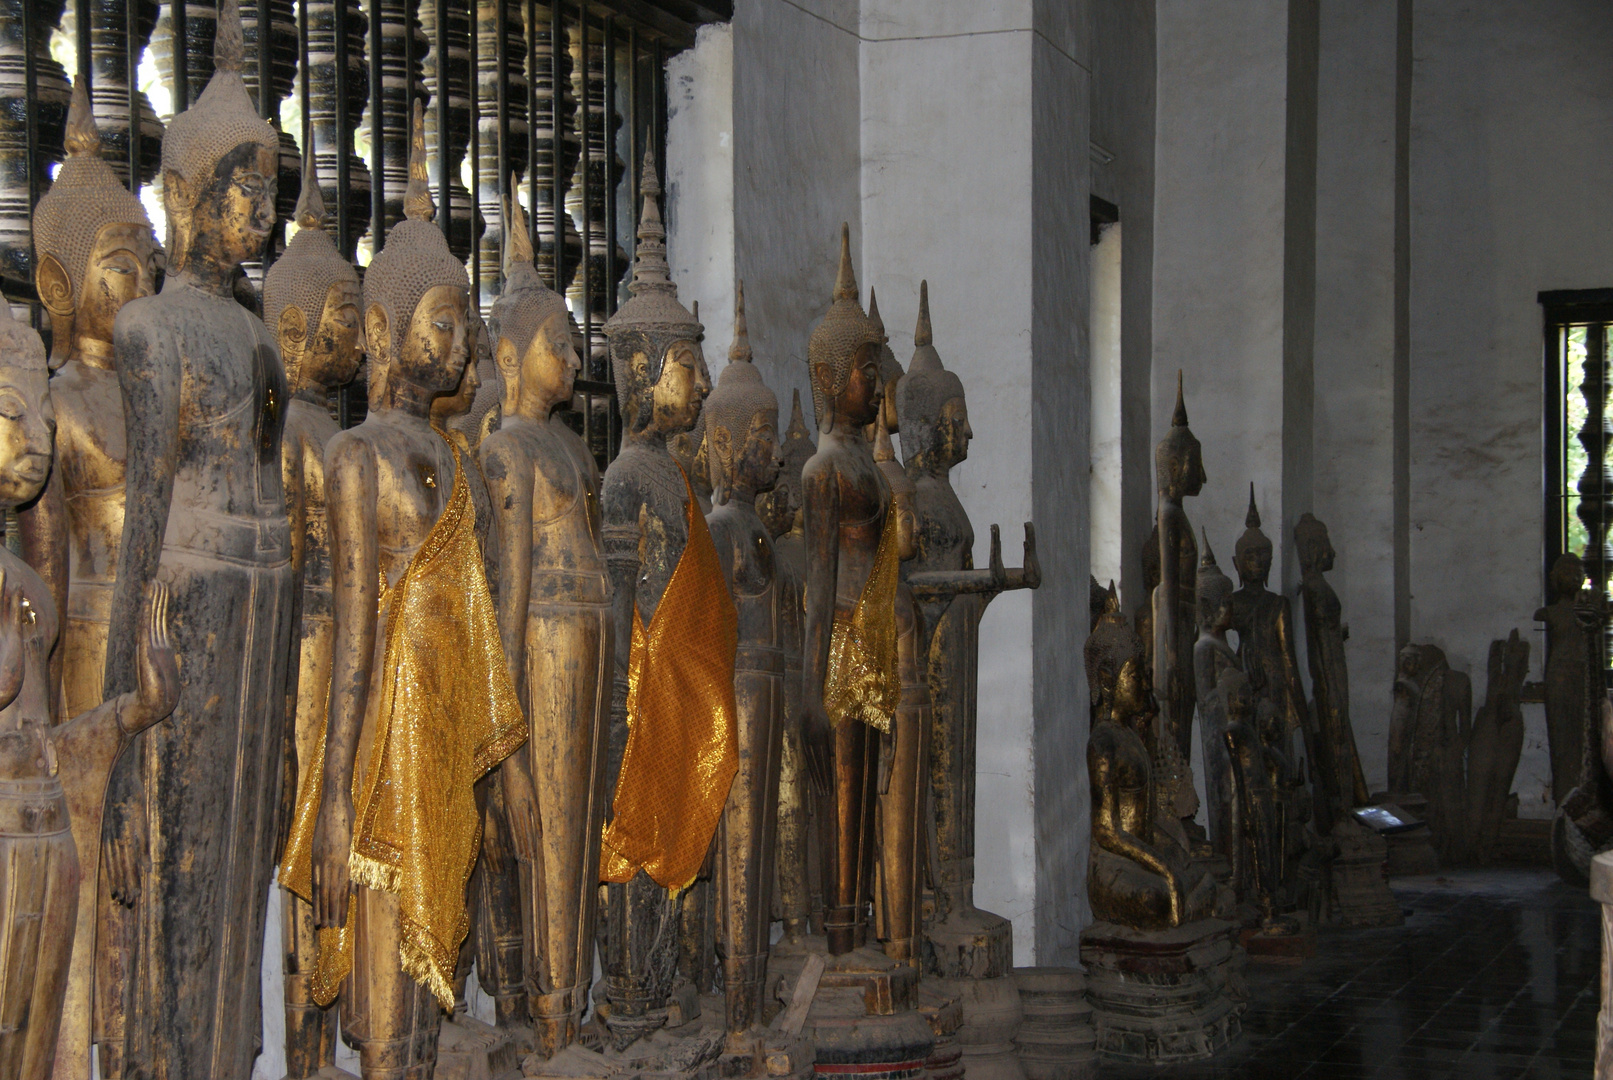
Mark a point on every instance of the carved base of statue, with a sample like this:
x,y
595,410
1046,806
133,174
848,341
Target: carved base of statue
x,y
329,1072
1358,878
1164,996
849,1037
1056,1040
945,1016
1285,941
971,952
472,1050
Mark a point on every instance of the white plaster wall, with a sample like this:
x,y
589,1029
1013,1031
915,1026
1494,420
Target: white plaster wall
x,y
1355,340
700,183
1107,445
1218,252
1511,110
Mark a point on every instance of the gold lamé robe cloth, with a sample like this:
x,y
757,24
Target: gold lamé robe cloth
x,y
39,876
442,714
682,751
863,682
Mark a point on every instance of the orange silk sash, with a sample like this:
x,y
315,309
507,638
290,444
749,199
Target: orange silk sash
x,y
863,681
682,742
447,714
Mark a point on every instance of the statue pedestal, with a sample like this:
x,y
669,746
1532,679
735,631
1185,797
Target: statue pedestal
x,y
863,1020
945,1017
1162,996
969,954
468,1049
331,1072
1284,945
1056,1040
1602,893
1360,886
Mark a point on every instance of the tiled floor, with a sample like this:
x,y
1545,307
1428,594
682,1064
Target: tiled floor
x,y
1494,975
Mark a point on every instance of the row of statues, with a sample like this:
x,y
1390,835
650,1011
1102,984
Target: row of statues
x,y
1153,865
436,667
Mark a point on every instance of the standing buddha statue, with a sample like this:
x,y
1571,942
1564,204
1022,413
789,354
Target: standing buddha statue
x,y
1339,765
849,666
1212,656
204,405
904,773
1566,650
675,634
781,510
311,298
1179,473
1264,621
556,623
95,252
52,778
743,445
388,836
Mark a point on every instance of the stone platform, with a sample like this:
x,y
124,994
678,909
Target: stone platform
x,y
1164,996
1056,1040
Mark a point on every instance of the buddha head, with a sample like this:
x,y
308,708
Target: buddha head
x,y
1252,554
741,420
654,341
843,355
311,298
1214,593
780,508
1409,662
95,245
929,399
1130,704
220,160
27,421
530,330
1567,576
902,491
417,317
1109,647
890,369
1179,459
1315,549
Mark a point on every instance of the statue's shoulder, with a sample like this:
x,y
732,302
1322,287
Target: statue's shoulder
x,y
350,448
146,319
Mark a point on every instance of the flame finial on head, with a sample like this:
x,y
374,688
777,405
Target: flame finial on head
x,y
310,212
846,276
417,202
922,332
1179,415
650,270
873,312
1251,520
229,44
1209,556
83,136
519,269
740,350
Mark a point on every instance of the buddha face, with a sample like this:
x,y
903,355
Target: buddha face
x,y
859,400
433,349
1567,576
1130,702
1316,551
227,220
549,367
337,347
677,396
27,433
123,265
756,467
458,403
952,432
1409,662
1254,563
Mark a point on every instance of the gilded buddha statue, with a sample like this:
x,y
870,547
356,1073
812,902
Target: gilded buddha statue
x,y
556,622
384,843
675,632
743,446
1258,856
1138,878
96,252
953,596
52,778
904,780
311,298
850,682
204,400
1212,656
780,508
1179,474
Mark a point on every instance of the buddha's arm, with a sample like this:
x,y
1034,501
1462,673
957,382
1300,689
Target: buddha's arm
x,y
292,476
1109,835
149,374
1165,643
42,528
351,486
1298,714
820,498
509,476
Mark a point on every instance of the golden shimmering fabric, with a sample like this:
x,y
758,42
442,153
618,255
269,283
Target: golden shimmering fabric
x,y
682,743
447,714
863,682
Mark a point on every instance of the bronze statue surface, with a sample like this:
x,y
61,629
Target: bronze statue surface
x,y
204,404
1566,650
1179,473
1338,763
1213,657
311,300
556,622
1429,729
